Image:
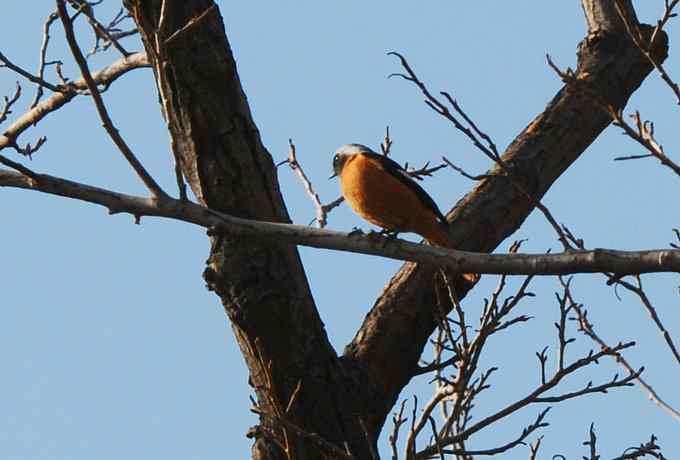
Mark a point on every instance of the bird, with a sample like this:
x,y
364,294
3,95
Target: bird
x,y
379,190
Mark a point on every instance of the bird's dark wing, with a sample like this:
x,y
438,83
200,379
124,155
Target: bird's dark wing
x,y
399,173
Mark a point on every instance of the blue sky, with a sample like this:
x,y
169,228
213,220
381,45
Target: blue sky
x,y
111,344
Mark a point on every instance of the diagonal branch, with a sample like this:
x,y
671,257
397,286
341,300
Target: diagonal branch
x,y
645,45
587,328
639,291
480,139
99,29
150,183
29,76
104,77
406,313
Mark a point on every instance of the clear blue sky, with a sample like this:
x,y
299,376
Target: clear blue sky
x,y
112,347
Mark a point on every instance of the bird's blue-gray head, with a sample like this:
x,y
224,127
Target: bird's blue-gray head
x,y
343,153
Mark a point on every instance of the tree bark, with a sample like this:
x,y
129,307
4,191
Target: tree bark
x,y
295,372
262,285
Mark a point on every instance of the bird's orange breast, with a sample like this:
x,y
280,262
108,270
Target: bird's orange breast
x,y
384,200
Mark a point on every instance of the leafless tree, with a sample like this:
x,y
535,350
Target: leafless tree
x,y
313,403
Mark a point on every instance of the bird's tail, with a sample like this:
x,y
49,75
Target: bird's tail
x,y
438,235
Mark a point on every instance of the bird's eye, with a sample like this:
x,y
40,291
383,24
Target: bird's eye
x,y
336,159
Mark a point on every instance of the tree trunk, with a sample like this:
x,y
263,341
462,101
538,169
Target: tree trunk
x,y
302,386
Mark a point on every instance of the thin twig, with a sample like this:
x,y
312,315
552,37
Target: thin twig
x,y
531,398
538,423
386,144
9,102
636,35
397,421
21,168
100,31
592,443
587,328
643,134
480,139
465,174
650,448
425,171
29,76
194,22
292,161
43,55
150,183
330,448
639,291
104,77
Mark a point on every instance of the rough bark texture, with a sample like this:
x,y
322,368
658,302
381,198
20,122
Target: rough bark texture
x,y
263,286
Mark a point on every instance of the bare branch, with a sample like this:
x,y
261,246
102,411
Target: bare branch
x,y
650,448
321,211
592,443
328,447
643,134
43,55
100,31
150,183
463,173
9,102
533,397
28,150
104,77
29,76
565,308
190,25
595,261
31,175
587,328
639,291
425,171
397,421
538,423
333,204
534,446
480,139
439,107
386,144
645,46
589,388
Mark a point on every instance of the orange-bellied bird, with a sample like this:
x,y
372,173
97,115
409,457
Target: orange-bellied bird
x,y
382,192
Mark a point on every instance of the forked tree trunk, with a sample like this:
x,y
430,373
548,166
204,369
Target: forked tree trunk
x,y
344,400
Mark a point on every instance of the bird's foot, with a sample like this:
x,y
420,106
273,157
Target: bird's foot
x,y
356,231
384,236
389,234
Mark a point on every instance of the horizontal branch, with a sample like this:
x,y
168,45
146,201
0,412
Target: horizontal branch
x,y
595,261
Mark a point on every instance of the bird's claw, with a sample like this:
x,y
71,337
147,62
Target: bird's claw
x,y
356,231
389,234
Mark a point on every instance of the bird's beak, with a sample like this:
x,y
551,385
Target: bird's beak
x,y
332,176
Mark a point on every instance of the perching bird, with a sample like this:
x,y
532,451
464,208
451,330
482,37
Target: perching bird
x,y
382,192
